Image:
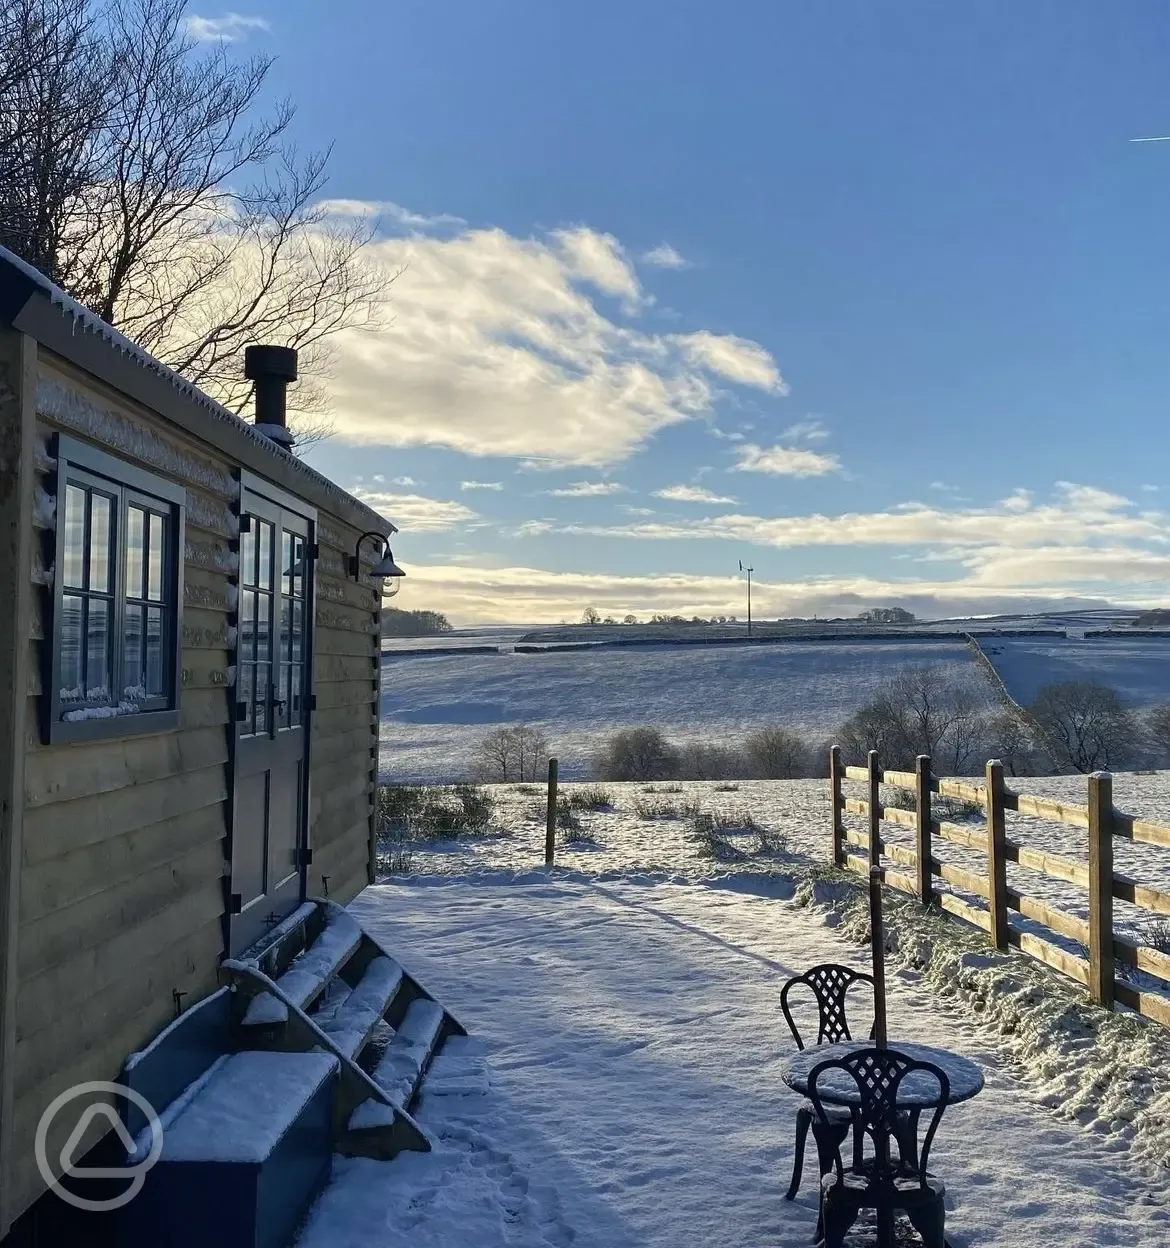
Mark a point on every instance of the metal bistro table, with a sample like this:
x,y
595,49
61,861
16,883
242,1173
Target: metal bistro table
x,y
916,1090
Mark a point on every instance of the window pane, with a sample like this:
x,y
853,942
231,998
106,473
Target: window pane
x,y
248,555
157,548
133,675
135,553
155,680
99,542
298,585
264,540
244,694
298,631
285,628
247,637
73,556
282,699
263,627
287,557
262,695
70,641
294,694
97,663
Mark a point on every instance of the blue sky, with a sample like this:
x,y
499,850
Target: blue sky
x,y
891,278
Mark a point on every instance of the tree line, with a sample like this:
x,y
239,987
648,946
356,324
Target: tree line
x,y
1070,726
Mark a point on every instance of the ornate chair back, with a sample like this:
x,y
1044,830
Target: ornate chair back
x,y
829,984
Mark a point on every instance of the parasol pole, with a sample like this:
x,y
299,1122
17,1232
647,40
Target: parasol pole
x,y
878,941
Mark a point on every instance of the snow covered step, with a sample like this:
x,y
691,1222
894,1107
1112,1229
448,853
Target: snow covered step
x,y
309,972
406,1056
243,1157
350,1024
459,1069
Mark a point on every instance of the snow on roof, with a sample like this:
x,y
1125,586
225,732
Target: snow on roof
x,y
89,322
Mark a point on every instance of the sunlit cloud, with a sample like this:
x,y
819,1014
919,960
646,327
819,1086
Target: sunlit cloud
x,y
691,494
588,489
785,461
664,256
231,28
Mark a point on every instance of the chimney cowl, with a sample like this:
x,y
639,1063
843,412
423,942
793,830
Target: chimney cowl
x,y
271,368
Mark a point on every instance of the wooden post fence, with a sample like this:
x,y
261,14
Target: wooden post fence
x,y
836,773
875,810
922,836
1105,958
1101,969
550,826
997,898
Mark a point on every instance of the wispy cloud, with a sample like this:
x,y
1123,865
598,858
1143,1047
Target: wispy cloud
x,y
587,489
785,461
691,494
481,485
737,359
388,211
810,430
1153,138
412,513
401,481
601,260
664,256
231,28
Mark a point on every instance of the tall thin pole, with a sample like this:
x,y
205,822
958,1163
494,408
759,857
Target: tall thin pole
x,y
749,572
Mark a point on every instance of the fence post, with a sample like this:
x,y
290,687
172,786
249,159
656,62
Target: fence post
x,y
1101,888
997,855
875,810
550,827
838,803
923,816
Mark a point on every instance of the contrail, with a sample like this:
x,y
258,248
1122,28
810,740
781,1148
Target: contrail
x,y
1157,138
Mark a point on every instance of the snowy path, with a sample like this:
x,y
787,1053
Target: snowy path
x,y
635,1040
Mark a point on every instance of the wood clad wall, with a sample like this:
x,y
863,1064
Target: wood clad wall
x,y
121,898
343,762
121,891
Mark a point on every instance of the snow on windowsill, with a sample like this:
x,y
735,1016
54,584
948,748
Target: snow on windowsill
x,y
101,712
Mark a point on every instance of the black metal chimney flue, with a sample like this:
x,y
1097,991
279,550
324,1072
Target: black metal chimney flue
x,y
271,368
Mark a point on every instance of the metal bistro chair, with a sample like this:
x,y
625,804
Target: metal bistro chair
x,y
830,985
883,1182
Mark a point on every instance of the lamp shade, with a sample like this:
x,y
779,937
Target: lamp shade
x,y
386,566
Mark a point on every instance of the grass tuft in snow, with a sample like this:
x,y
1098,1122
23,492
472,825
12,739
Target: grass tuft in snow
x,y
727,787
591,797
423,812
665,810
663,788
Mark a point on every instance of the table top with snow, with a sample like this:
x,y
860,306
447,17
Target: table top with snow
x,y
916,1090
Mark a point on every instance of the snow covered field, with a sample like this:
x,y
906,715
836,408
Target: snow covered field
x,y
635,1045
1137,667
435,710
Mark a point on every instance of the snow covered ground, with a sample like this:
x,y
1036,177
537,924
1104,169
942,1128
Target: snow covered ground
x,y
436,709
1137,667
635,1044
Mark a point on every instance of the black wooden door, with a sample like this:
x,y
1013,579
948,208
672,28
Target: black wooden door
x,y
273,666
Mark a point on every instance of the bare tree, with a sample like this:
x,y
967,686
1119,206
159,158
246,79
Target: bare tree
x,y
591,615
135,173
1157,725
776,753
637,754
1085,724
512,753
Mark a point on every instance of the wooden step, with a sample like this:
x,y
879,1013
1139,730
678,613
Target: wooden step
x,y
349,1023
308,973
243,1155
401,1069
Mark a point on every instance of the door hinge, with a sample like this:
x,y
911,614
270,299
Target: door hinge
x,y
241,711
304,857
315,551
236,903
312,701
245,524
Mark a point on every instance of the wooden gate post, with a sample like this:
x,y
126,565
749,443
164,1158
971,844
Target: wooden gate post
x,y
836,771
997,855
922,813
1101,888
875,810
550,826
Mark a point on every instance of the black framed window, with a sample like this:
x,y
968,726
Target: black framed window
x,y
112,664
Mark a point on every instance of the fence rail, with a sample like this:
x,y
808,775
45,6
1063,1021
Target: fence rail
x,y
1098,817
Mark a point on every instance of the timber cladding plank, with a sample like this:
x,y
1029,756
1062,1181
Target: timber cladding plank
x,y
49,941
205,590
334,669
350,693
323,831
46,1000
200,708
82,769
342,719
64,826
205,669
340,800
102,1057
336,641
204,630
353,745
185,967
93,869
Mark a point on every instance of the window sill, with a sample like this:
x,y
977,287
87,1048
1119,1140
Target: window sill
x,y
111,727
